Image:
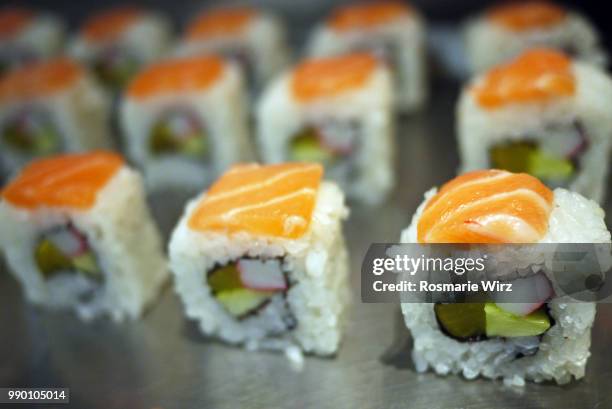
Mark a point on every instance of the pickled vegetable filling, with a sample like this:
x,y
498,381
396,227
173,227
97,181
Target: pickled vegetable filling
x,y
248,285
328,143
65,249
115,66
554,163
31,132
179,132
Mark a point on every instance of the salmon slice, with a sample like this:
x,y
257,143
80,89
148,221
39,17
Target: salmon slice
x,y
13,20
220,22
180,75
367,15
110,24
40,79
71,180
487,206
272,200
330,76
527,15
538,75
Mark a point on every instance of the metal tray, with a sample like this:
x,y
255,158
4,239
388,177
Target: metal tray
x,y
163,362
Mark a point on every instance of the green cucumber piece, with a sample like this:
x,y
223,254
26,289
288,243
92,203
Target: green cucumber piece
x,y
50,259
462,321
305,147
226,278
527,157
241,301
502,323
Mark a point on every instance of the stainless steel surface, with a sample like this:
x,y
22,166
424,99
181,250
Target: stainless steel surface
x,y
163,362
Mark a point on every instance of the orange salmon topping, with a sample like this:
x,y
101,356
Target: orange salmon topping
x,y
528,15
12,20
535,76
180,75
327,77
39,79
71,180
487,206
367,15
272,200
108,25
220,22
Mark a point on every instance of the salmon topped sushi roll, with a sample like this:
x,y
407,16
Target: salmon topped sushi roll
x,y
392,30
116,43
50,107
259,259
541,113
533,332
336,111
254,39
185,122
27,35
77,233
508,29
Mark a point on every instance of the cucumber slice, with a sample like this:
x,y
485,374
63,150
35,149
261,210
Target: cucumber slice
x,y
50,259
502,323
86,263
462,321
527,157
306,147
225,279
164,141
239,302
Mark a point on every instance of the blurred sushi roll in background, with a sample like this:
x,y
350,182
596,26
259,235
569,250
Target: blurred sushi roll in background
x,y
508,29
337,111
393,31
77,234
49,107
260,259
543,339
543,114
27,35
118,42
253,38
185,121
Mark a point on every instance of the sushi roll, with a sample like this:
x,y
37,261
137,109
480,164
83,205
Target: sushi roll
x,y
260,260
50,107
547,339
77,234
253,38
27,35
393,31
543,114
509,29
336,111
118,42
185,121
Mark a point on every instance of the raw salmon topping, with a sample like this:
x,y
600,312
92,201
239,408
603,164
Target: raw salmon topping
x,y
220,22
528,15
487,206
12,20
180,75
110,24
327,77
71,180
535,76
367,15
40,79
273,200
